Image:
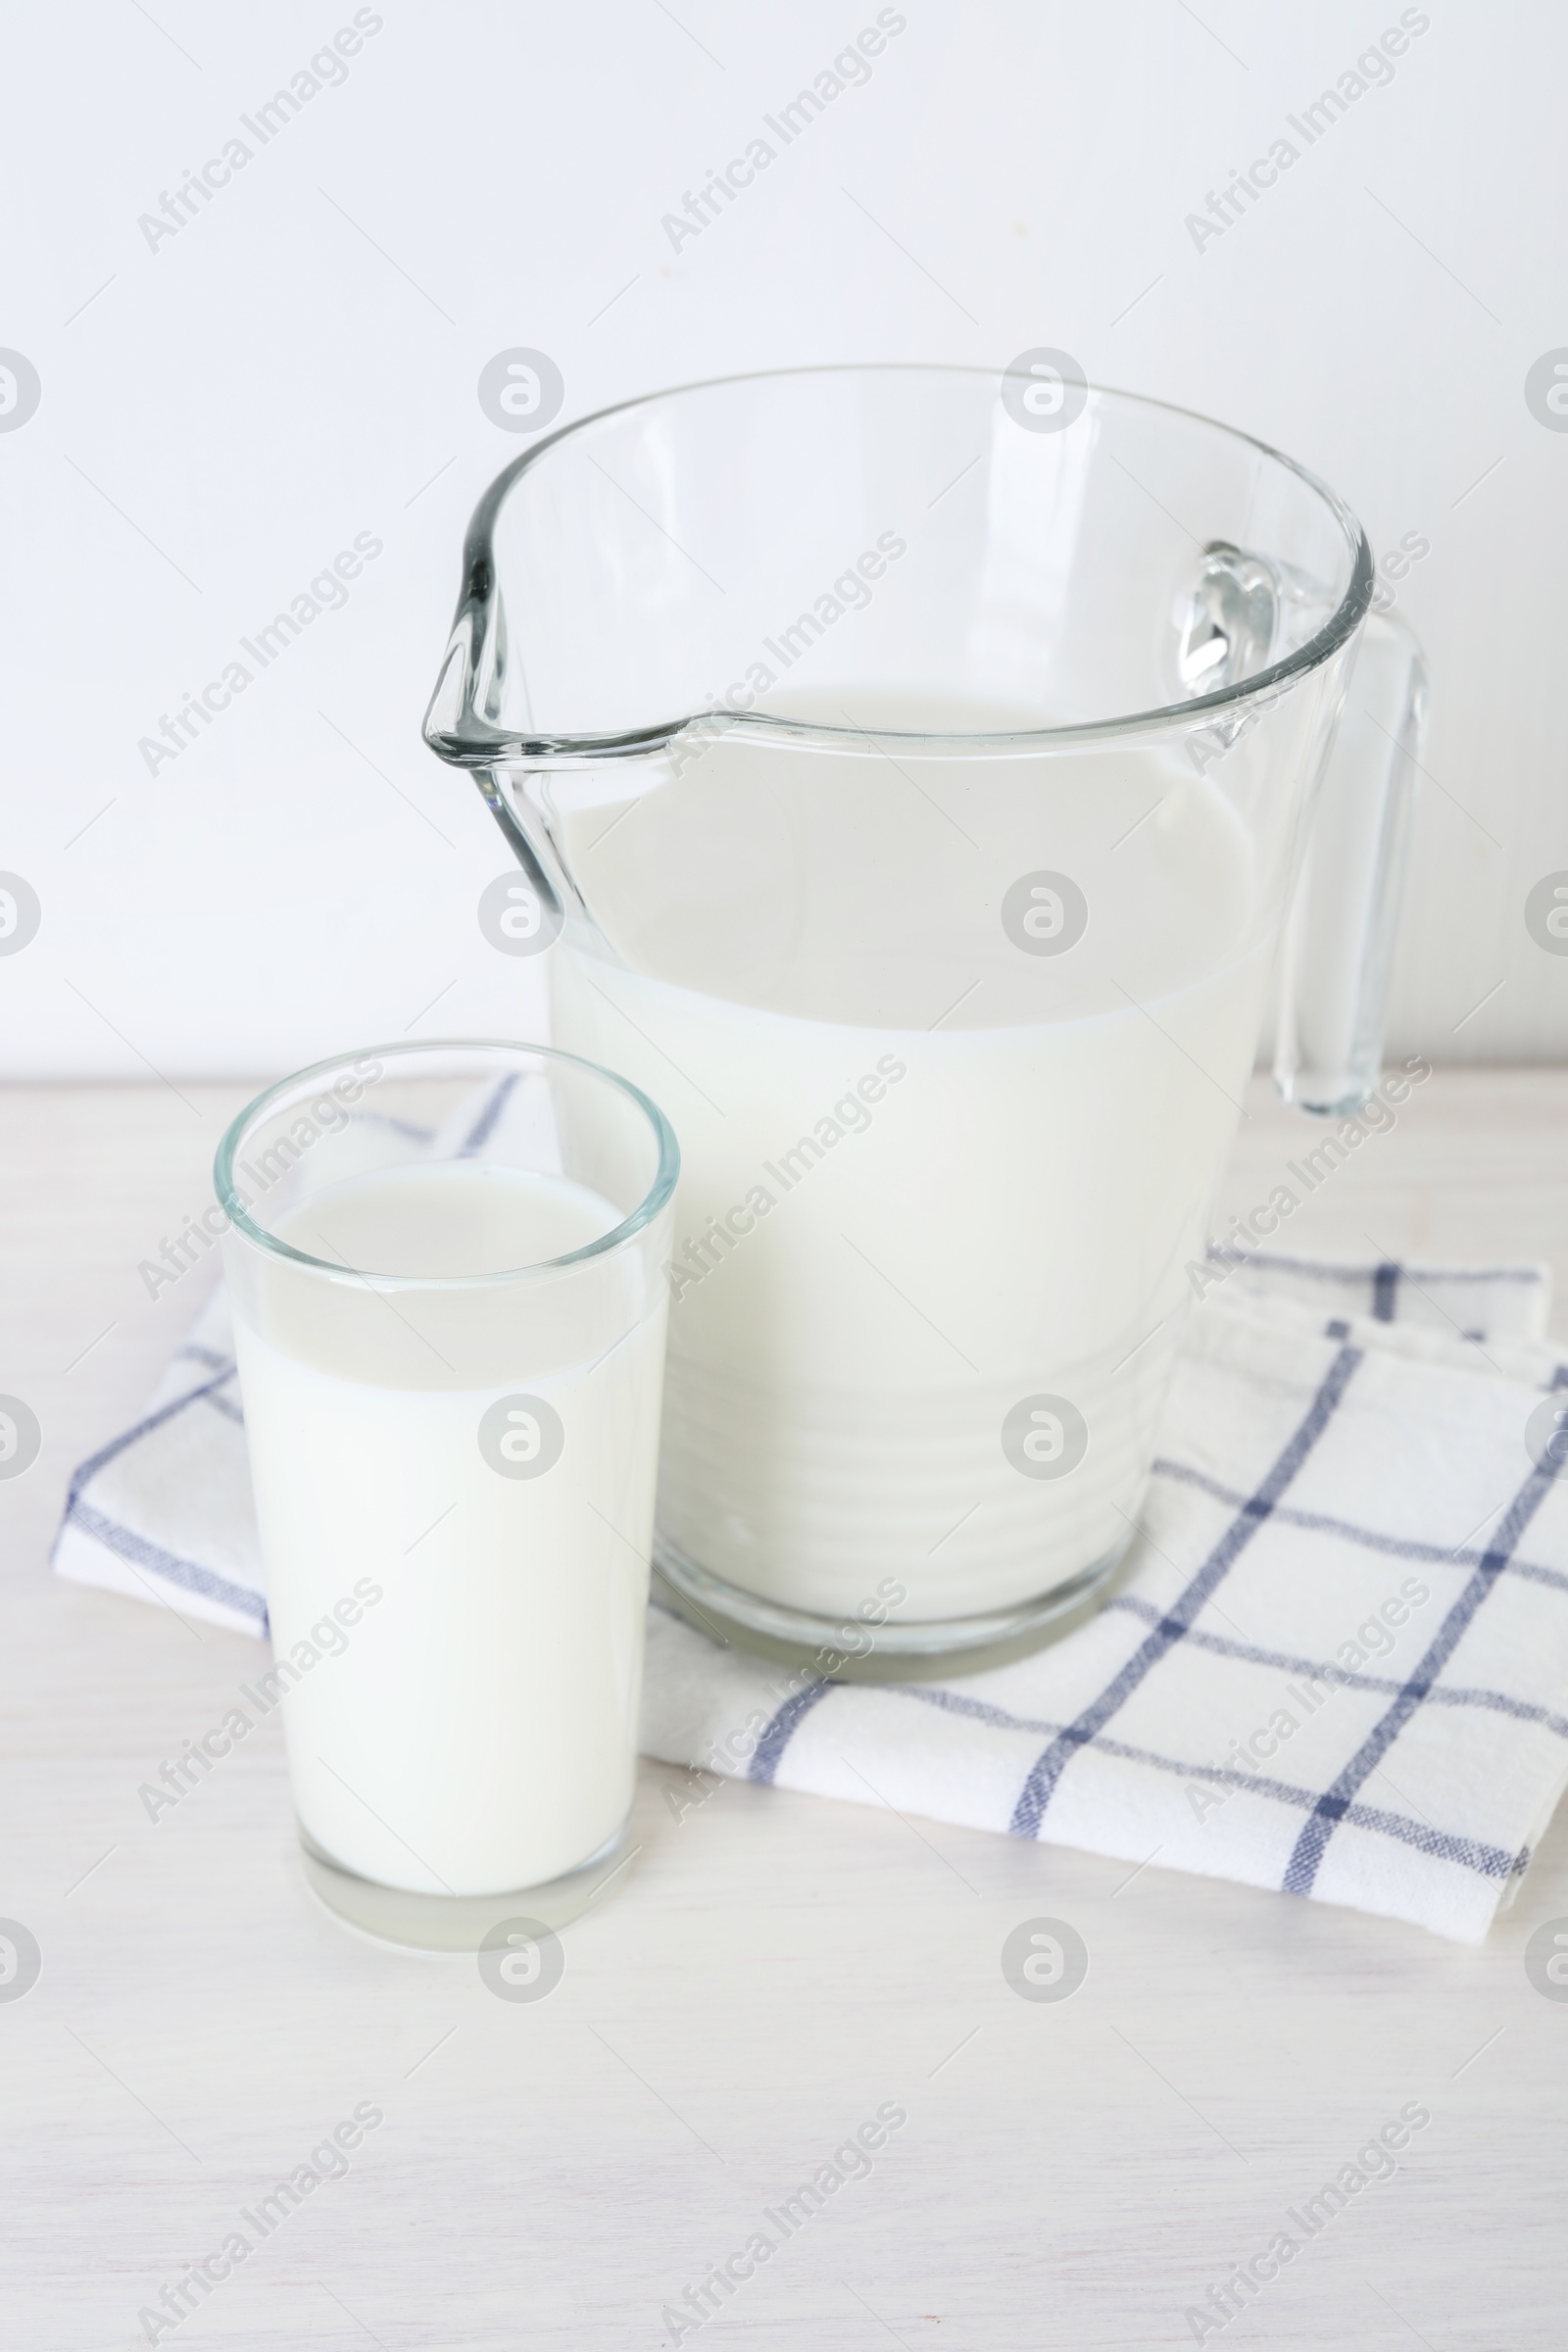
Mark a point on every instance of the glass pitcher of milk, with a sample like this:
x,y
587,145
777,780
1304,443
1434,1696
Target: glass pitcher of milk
x,y
916,776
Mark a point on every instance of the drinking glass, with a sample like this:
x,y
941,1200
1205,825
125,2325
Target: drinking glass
x,y
449,1318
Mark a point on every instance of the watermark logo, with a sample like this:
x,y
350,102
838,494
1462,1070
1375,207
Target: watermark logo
x,y
21,913
1228,2297
1546,1436
1546,1959
20,1960
1546,912
1378,1115
326,1114
1312,1689
1414,548
328,1638
1045,390
329,592
851,592
20,390
521,390
1373,70
1045,913
514,918
1044,1960
326,70
189,2289
850,1115
729,1754
21,1437
851,69
522,1437
521,1960
1545,389
1045,1437
705,2296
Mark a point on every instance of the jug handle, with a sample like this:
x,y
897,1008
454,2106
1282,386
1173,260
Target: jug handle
x,y
1344,918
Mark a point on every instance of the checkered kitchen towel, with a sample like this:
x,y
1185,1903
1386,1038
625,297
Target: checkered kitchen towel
x,y
1336,1662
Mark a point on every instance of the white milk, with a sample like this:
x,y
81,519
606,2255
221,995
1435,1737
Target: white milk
x,y
476,1730
925,1175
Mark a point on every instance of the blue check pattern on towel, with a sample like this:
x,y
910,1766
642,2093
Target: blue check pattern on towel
x,y
1336,1662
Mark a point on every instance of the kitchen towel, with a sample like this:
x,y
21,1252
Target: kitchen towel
x,y
1335,1661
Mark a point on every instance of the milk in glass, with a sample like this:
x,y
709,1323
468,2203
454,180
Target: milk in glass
x,y
475,1732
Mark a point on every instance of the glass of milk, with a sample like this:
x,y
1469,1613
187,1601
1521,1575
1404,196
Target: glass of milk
x,y
916,776
445,1268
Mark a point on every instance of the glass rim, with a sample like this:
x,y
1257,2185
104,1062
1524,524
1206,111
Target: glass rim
x,y
470,740
658,1193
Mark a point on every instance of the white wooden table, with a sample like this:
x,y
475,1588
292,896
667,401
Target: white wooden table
x,y
775,1970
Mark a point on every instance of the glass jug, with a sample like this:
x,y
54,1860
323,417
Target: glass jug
x,y
915,775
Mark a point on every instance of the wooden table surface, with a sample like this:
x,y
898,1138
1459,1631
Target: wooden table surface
x,y
775,1971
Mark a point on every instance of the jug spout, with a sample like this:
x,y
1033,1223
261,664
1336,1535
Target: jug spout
x,y
481,717
1343,928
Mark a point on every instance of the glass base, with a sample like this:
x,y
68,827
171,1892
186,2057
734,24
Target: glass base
x,y
460,1923
919,1650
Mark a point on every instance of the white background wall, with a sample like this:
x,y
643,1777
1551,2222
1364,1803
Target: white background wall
x,y
223,413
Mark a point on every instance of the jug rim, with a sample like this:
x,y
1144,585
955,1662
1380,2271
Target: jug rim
x,y
458,731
